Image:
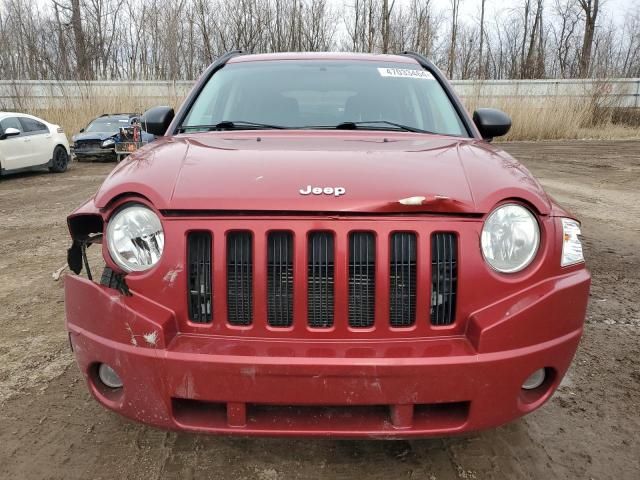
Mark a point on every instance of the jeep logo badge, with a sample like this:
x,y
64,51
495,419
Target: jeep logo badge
x,y
336,191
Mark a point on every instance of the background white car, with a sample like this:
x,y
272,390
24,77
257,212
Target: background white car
x,y
28,142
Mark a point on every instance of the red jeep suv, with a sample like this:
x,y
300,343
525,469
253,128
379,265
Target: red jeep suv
x,y
324,244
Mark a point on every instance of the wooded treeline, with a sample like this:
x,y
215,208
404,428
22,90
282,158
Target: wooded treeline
x,y
177,39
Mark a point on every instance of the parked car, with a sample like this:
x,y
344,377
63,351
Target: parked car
x,y
97,141
28,142
329,245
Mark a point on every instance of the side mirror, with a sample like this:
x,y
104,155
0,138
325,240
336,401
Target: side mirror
x,y
10,132
81,130
156,120
491,122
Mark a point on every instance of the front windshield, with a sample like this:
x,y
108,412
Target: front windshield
x,y
325,94
107,125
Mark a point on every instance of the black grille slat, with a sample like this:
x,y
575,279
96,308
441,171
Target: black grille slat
x,y
362,274
239,278
280,279
320,280
200,288
444,277
402,281
361,280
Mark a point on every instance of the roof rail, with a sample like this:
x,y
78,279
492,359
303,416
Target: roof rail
x,y
421,59
131,114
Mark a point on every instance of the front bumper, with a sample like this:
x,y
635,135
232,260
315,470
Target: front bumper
x,y
89,154
376,388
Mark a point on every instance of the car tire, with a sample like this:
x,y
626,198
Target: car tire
x,y
59,160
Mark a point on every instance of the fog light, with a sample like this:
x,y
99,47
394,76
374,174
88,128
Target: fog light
x,y
535,380
108,376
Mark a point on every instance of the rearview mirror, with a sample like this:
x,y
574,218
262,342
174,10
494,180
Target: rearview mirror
x,y
156,120
491,122
81,130
10,132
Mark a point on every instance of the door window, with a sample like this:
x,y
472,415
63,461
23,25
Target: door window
x,y
33,127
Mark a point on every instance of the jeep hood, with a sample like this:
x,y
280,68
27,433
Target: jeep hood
x,y
380,172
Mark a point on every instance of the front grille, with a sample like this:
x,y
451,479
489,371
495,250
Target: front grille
x,y
402,285
362,279
320,279
381,275
88,144
280,279
444,277
239,278
200,286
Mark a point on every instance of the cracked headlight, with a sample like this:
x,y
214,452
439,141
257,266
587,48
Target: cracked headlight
x,y
571,244
510,238
135,238
109,142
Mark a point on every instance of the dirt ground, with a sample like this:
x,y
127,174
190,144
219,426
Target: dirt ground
x,y
51,428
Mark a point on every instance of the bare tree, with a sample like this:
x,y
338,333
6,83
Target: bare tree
x,y
480,58
590,9
564,32
176,39
82,57
529,65
386,28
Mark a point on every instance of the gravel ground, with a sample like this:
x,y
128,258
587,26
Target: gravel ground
x,y
51,428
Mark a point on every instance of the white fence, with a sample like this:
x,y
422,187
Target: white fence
x,y
615,92
35,94
15,95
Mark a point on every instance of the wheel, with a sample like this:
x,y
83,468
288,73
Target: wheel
x,y
60,160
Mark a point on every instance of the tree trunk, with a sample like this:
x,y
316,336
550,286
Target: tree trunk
x,y
480,59
62,46
386,28
528,69
590,8
525,34
84,65
454,32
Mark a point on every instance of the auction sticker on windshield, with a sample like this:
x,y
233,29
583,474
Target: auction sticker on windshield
x,y
404,72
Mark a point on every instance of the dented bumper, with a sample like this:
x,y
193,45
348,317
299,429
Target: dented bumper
x,y
319,387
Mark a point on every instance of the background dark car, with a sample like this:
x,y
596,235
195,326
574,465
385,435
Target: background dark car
x,y
98,139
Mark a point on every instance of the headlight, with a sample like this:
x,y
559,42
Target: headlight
x,y
108,143
510,238
571,244
135,238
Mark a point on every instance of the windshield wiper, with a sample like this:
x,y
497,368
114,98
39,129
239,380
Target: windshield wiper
x,y
230,125
398,126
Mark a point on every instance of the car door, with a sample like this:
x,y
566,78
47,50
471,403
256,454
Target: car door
x,y
38,138
14,151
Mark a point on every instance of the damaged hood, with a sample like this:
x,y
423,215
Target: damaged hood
x,y
92,136
325,171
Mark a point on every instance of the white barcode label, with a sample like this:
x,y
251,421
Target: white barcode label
x,y
404,73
